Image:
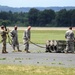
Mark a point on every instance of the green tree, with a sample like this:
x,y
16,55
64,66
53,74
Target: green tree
x,y
63,18
72,17
32,16
4,15
45,17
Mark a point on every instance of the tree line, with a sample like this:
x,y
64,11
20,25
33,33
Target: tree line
x,y
37,18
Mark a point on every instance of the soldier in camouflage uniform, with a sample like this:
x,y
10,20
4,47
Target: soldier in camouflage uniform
x,y
4,37
26,38
53,44
69,35
14,35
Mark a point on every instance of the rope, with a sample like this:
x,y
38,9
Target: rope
x,y
9,40
37,45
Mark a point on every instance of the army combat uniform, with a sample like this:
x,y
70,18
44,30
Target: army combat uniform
x,y
69,35
4,37
51,45
26,38
14,36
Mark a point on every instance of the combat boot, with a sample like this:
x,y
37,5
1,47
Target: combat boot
x,y
66,52
27,52
6,52
3,51
19,51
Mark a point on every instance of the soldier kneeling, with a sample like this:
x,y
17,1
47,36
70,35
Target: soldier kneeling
x,y
48,46
51,46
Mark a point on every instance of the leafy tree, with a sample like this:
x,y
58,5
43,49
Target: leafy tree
x,y
61,18
35,17
32,16
72,17
4,15
45,17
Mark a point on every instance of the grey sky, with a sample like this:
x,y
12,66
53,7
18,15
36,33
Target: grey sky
x,y
37,3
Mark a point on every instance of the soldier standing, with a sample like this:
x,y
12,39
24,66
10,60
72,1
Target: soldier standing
x,y
4,33
69,35
14,35
26,38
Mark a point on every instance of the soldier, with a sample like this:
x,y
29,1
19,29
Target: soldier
x,y
4,33
48,46
53,44
26,38
69,35
14,36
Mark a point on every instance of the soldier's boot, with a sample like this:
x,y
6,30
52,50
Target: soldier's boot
x,y
65,51
13,48
6,51
27,51
18,49
3,51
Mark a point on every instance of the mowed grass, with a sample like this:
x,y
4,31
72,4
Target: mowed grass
x,y
34,70
41,36
38,36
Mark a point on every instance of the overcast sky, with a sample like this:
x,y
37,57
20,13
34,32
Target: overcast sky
x,y
37,3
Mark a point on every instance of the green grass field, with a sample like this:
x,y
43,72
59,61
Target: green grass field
x,y
34,70
41,36
38,36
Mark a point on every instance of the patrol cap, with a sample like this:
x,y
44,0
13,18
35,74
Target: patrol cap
x,y
15,27
29,27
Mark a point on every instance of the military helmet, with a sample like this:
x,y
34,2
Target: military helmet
x,y
29,27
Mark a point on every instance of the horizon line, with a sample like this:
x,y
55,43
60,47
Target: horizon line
x,y
34,6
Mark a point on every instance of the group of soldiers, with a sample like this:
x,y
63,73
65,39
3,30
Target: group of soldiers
x,y
69,35
14,38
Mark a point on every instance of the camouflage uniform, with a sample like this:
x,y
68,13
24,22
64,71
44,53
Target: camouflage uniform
x,y
26,38
14,36
4,37
53,44
69,41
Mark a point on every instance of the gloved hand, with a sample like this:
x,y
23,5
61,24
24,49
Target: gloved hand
x,y
7,30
